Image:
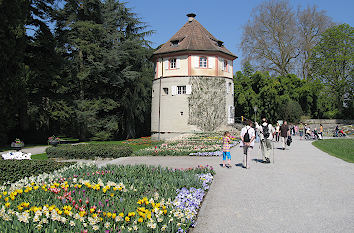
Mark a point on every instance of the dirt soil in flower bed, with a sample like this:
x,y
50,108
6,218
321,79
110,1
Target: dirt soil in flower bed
x,y
84,198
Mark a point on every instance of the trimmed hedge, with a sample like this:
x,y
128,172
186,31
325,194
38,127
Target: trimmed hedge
x,y
14,170
89,151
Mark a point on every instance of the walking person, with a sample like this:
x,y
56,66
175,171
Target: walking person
x,y
284,133
277,132
226,149
247,142
266,133
301,130
321,131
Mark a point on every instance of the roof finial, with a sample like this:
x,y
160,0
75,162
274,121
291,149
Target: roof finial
x,y
191,16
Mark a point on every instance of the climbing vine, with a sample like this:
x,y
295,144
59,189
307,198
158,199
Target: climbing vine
x,y
207,102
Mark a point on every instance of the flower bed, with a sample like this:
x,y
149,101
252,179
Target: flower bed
x,y
14,170
83,198
16,156
196,145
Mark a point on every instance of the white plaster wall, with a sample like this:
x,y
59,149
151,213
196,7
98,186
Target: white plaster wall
x,y
215,67
171,107
164,70
225,73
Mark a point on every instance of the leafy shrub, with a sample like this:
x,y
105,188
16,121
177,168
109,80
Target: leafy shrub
x,y
89,151
14,170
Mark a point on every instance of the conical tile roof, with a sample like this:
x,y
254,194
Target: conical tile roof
x,y
193,37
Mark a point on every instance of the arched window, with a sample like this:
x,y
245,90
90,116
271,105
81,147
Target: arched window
x,y
203,62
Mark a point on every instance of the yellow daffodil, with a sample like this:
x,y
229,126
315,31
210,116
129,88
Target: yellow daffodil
x,y
127,219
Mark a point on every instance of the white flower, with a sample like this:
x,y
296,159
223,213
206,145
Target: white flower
x,y
36,219
95,227
72,223
107,225
163,228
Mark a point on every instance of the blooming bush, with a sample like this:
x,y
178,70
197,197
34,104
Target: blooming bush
x,y
83,198
16,155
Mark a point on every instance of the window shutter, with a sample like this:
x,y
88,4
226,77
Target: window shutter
x,y
188,89
196,61
166,63
178,63
227,88
211,61
174,90
231,117
222,63
232,88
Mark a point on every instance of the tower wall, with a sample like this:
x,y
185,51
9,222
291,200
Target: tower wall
x,y
204,107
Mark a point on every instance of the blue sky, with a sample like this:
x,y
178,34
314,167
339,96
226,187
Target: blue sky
x,y
224,19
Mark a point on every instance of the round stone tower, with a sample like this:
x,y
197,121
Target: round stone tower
x,y
193,85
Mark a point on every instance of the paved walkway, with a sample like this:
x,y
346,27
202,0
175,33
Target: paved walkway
x,y
305,190
33,150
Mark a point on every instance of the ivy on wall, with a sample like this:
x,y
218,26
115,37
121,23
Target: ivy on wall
x,y
207,103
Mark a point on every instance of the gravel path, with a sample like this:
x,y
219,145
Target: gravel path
x,y
305,190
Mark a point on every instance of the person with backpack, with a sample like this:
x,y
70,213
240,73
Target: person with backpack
x,y
248,136
266,132
284,133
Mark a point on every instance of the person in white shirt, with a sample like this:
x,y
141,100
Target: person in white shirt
x,y
247,142
267,132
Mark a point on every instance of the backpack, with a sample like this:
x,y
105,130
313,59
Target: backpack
x,y
246,137
265,130
289,141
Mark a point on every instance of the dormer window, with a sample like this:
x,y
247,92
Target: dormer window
x,y
220,43
174,43
173,63
203,62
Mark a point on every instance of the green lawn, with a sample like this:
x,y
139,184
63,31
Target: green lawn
x,y
39,156
340,148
